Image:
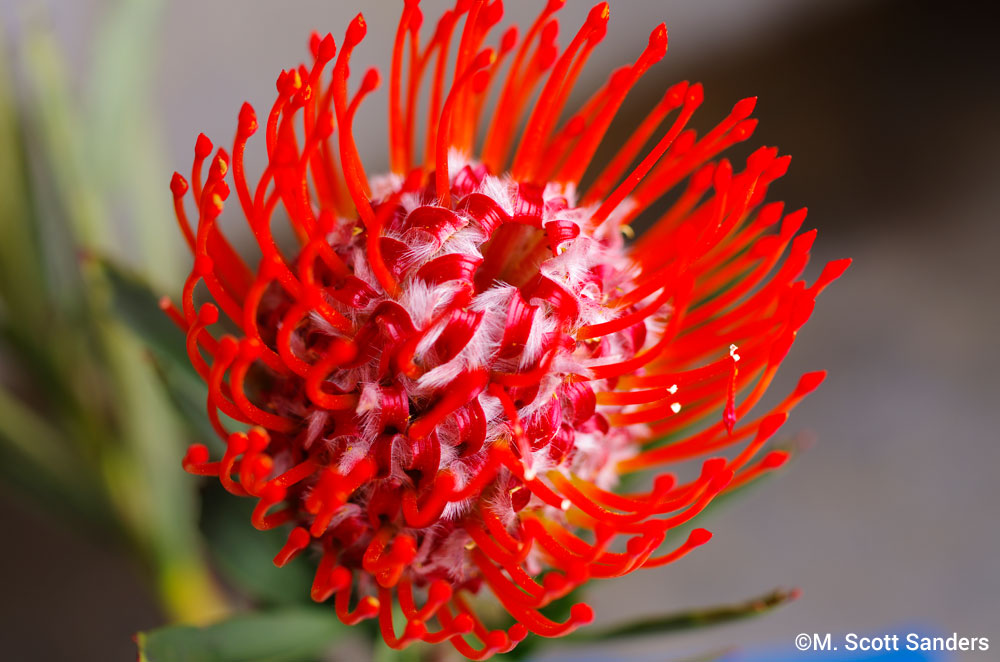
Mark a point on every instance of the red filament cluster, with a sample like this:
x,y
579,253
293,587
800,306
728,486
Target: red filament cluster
x,y
439,388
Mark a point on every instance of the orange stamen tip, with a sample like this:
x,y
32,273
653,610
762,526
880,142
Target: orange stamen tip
x,y
581,613
599,14
462,624
203,146
771,424
743,108
340,578
372,80
414,630
779,167
770,213
774,459
744,129
518,632
208,314
810,381
702,179
178,185
247,121
369,606
327,48
698,537
221,164
675,95
356,31
298,540
250,349
792,222
658,40
484,59
838,267
805,240
695,95
228,347
196,454
496,639
509,40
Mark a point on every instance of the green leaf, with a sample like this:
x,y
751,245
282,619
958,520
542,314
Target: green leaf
x,y
135,304
287,635
687,620
136,437
22,291
58,136
188,393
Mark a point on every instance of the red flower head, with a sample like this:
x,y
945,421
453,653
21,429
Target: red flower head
x,y
449,374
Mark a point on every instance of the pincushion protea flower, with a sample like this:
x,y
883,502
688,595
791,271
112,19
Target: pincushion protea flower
x,y
446,382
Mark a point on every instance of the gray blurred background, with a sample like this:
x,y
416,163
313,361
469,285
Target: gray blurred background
x,y
890,110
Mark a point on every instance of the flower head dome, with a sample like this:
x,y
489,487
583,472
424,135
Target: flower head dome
x,y
442,384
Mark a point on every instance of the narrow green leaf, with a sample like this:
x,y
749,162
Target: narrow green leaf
x,y
60,137
22,293
188,393
687,620
140,445
298,634
135,303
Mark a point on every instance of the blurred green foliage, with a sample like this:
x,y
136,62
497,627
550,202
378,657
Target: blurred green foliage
x,y
85,423
292,634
